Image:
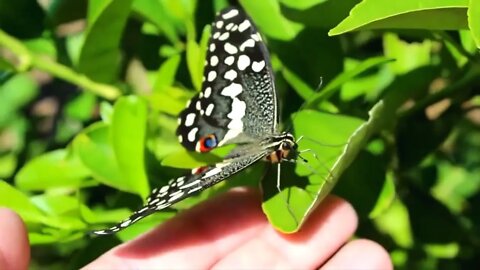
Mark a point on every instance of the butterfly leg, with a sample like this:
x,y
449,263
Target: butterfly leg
x,y
285,199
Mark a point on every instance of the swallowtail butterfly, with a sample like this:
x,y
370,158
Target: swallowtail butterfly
x,y
237,104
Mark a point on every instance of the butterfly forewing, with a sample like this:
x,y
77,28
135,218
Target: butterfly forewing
x,y
185,186
237,102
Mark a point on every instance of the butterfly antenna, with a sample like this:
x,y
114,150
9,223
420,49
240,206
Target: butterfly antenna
x,y
304,104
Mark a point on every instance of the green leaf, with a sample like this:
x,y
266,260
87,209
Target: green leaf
x,y
386,198
82,107
154,12
301,4
187,160
473,21
11,99
172,100
39,238
58,168
8,163
14,199
57,204
312,46
165,76
336,10
269,19
94,148
106,112
302,88
335,140
407,14
128,131
102,217
362,183
333,86
100,55
408,56
196,54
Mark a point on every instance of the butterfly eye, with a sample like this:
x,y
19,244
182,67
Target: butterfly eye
x,y
207,143
286,146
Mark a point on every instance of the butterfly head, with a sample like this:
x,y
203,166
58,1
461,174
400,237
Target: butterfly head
x,y
284,146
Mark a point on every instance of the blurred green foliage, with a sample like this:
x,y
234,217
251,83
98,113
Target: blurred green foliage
x,y
90,91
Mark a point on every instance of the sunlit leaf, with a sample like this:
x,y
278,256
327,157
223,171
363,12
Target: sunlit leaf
x,y
128,131
58,168
407,14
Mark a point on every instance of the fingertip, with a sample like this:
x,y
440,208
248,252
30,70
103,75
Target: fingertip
x,y
360,254
14,245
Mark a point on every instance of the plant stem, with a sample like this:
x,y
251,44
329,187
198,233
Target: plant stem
x,y
28,60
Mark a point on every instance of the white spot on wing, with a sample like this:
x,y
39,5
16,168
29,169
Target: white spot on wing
x,y
212,75
224,36
243,62
229,48
207,92
176,196
163,189
216,35
219,24
248,43
126,223
256,37
237,113
258,66
180,138
212,172
232,90
229,26
212,47
213,60
243,26
209,109
229,60
230,75
232,13
191,184
192,134
190,119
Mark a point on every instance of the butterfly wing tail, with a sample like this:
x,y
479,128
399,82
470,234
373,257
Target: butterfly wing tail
x,y
136,216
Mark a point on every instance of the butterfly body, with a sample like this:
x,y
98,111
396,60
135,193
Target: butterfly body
x,y
237,104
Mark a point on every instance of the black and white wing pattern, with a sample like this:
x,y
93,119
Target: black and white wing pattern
x,y
185,186
237,103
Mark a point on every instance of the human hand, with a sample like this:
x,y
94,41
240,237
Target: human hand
x,y
229,231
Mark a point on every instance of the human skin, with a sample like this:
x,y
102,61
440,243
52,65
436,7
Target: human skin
x,y
228,231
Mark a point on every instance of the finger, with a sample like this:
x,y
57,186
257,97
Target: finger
x,y
325,231
14,246
196,238
360,254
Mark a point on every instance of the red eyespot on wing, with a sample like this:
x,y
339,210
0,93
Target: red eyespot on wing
x,y
206,143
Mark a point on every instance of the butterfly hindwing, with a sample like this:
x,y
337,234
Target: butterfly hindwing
x,y
237,102
185,186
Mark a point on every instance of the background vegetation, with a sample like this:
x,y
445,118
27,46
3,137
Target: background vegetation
x,y
89,92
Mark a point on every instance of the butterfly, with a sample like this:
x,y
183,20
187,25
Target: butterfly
x,y
237,105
